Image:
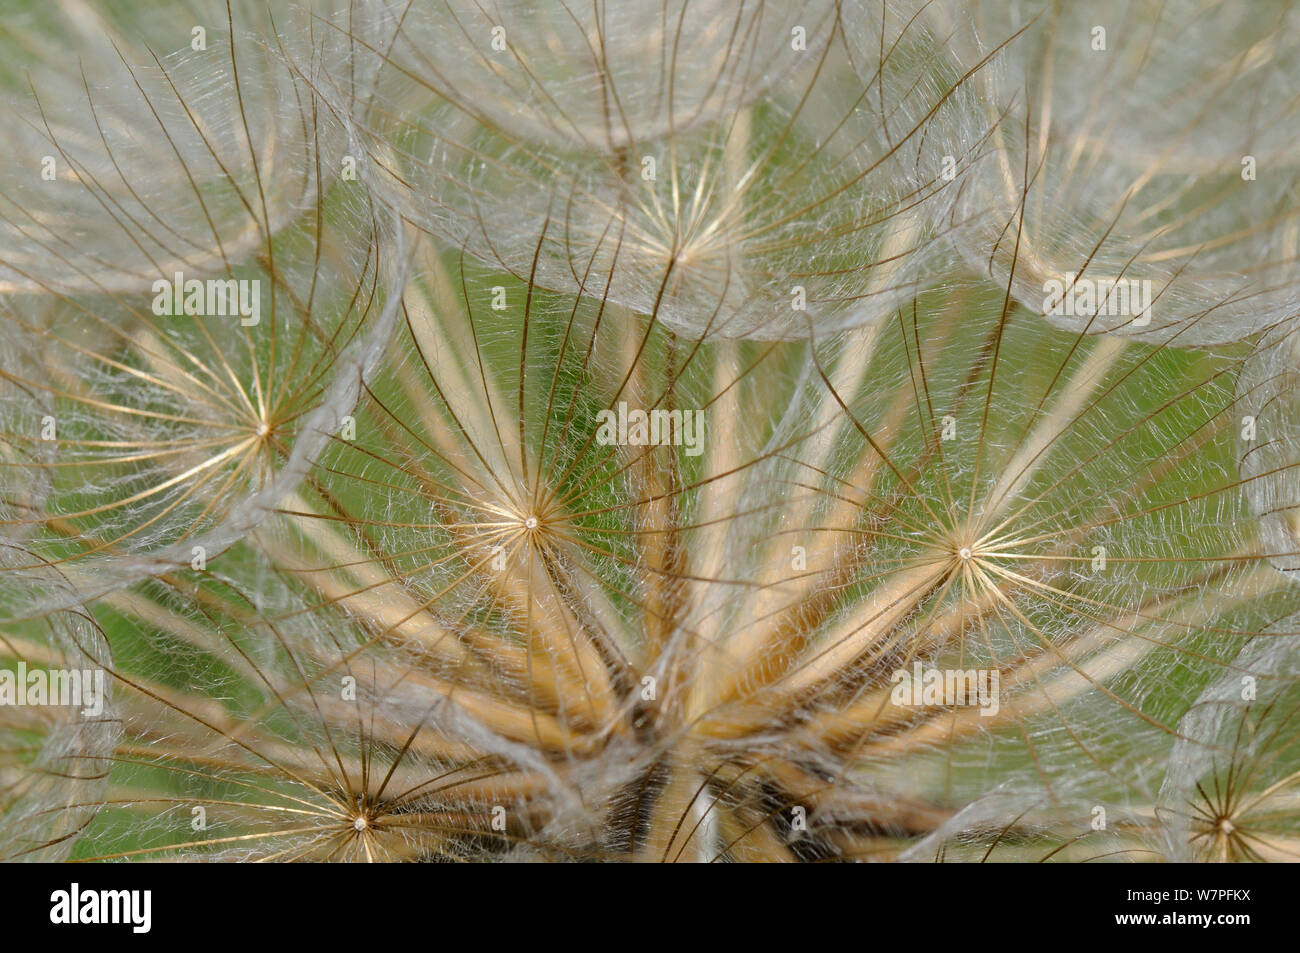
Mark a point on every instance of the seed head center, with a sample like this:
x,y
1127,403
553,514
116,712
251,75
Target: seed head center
x,y
360,823
530,523
964,553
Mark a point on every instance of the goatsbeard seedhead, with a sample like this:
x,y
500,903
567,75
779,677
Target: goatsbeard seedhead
x,y
518,432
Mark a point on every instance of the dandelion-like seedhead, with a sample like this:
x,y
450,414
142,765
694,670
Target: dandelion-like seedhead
x,y
168,375
1232,794
463,432
54,760
818,177
1133,152
160,143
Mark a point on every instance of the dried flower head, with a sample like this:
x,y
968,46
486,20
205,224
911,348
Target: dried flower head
x,y
1145,147
536,606
169,375
462,432
813,173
